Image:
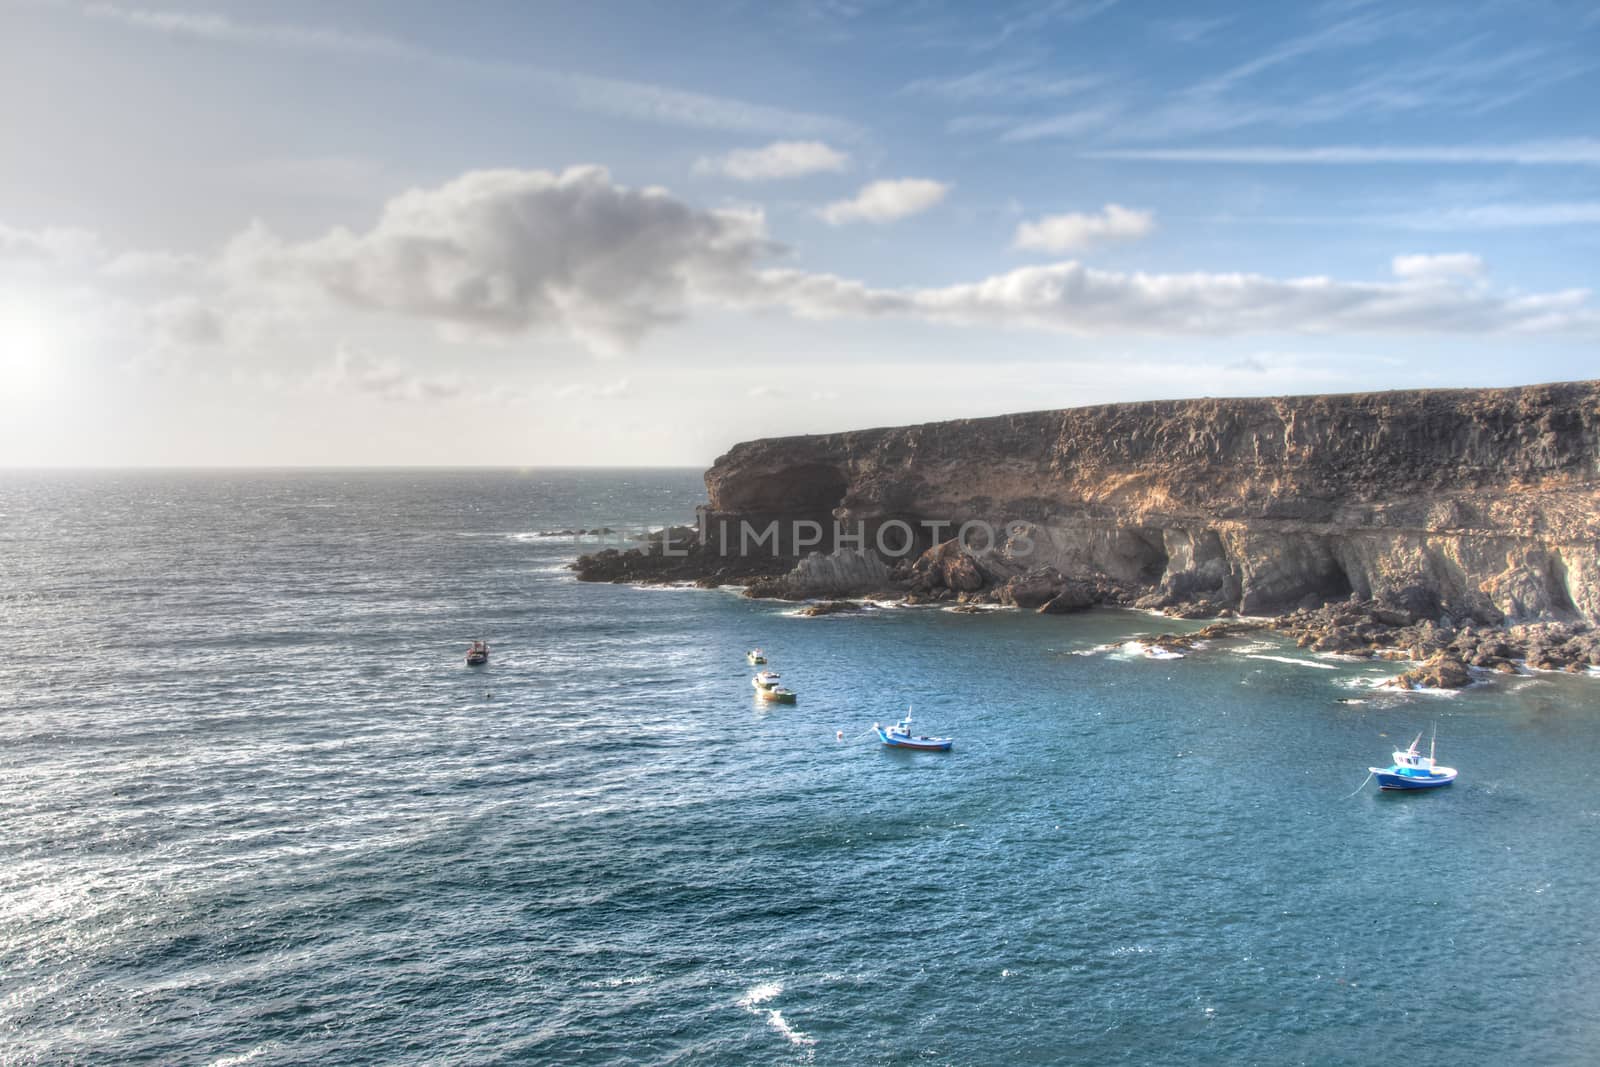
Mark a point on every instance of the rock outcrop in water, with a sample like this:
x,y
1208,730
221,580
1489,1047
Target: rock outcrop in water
x,y
1456,507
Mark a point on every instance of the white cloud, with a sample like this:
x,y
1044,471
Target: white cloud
x,y
1573,151
506,251
781,159
1438,267
607,391
151,266
1072,298
382,378
886,201
184,322
574,255
50,247
1070,232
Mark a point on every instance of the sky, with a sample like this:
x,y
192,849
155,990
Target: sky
x,y
524,234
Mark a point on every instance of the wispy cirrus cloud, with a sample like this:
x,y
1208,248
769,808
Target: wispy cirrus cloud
x,y
1008,81
1439,61
1500,216
1029,18
1571,151
781,159
618,97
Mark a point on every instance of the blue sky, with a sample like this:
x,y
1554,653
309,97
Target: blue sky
x,y
636,233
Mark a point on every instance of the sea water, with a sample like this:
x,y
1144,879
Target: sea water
x,y
257,810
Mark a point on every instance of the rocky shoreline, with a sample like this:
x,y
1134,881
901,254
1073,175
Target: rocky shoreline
x,y
1409,625
1457,529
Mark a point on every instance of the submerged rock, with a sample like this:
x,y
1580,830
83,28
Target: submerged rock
x,y
830,607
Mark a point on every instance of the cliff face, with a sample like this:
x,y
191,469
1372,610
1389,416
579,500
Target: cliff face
x,y
1489,500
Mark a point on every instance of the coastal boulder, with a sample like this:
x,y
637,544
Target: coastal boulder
x,y
947,565
1074,596
1032,590
843,572
1442,671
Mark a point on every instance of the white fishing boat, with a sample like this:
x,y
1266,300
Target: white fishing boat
x,y
900,736
1413,770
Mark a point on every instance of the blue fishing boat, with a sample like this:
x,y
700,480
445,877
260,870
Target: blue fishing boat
x,y
900,736
1413,770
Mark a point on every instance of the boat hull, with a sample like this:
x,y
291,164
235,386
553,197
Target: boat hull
x,y
1402,782
916,744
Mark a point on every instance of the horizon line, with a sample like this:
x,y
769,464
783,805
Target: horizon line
x,y
18,468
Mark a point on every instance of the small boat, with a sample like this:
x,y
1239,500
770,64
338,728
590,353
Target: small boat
x,y
1413,770
765,680
755,657
779,695
899,736
478,654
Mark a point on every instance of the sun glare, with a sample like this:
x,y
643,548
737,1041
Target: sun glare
x,y
25,342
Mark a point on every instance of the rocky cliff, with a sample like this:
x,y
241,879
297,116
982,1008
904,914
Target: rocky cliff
x,y
1485,502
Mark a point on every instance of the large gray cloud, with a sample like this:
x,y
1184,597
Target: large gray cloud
x,y
506,251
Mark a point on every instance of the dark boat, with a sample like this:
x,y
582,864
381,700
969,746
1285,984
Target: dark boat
x,y
478,654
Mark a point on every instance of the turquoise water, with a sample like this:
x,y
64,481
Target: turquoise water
x,y
258,812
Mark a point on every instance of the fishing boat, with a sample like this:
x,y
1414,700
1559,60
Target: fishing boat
x,y
478,654
765,680
1413,770
900,736
777,694
755,657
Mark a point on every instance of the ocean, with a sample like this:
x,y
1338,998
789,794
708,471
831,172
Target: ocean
x,y
257,810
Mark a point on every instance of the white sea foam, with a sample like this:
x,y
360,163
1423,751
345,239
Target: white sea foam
x,y
244,1057
776,1020
1294,661
758,995
619,982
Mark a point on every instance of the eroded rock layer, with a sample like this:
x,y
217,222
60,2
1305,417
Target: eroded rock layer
x,y
1484,501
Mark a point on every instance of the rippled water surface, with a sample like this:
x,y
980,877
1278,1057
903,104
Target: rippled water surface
x,y
257,811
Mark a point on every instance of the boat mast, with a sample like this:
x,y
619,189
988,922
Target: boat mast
x,y
1433,740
